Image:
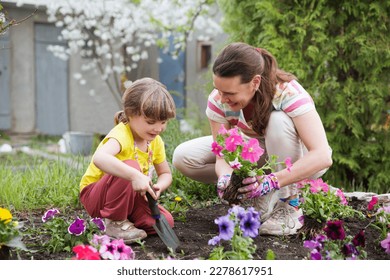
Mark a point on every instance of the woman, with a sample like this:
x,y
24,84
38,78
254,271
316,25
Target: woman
x,y
267,103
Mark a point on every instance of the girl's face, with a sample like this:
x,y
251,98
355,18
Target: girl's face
x,y
234,93
146,129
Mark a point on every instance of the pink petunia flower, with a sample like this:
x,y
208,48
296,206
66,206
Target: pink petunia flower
x,y
124,252
340,194
288,163
371,204
318,185
232,142
99,240
252,151
216,149
85,252
236,164
108,251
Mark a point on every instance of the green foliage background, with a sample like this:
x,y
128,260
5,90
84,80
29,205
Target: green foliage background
x,y
340,51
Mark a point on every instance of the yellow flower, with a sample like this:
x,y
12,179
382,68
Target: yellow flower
x,y
5,215
177,198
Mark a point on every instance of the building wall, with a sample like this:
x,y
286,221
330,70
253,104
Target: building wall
x,y
22,83
91,106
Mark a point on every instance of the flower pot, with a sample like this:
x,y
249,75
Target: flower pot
x,y
78,142
230,194
4,252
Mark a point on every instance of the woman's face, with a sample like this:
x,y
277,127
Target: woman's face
x,y
235,94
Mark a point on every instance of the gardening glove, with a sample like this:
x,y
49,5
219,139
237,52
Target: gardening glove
x,y
223,182
258,186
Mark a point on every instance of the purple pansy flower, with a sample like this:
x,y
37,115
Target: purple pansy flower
x,y
249,225
312,244
77,227
215,240
349,250
386,244
334,230
237,211
226,227
99,223
255,214
49,214
315,255
359,239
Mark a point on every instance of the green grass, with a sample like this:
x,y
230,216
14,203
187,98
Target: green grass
x,y
36,183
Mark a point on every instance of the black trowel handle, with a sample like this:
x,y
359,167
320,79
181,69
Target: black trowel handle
x,y
153,206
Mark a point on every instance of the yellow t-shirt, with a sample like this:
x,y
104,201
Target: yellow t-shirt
x,y
122,133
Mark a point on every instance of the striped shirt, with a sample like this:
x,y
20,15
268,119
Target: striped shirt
x,y
289,97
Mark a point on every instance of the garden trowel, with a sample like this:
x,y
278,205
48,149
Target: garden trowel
x,y
162,227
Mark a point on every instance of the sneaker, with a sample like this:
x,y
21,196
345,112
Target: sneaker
x,y
265,204
124,230
284,220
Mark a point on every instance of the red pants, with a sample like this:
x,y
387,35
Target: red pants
x,y
113,198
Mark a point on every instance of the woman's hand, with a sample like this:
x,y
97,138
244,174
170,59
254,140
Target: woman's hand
x,y
258,186
223,182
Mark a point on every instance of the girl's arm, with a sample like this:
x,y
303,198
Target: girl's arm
x,y
221,167
104,158
312,133
164,178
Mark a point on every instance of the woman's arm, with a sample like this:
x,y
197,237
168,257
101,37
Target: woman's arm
x,y
104,158
312,133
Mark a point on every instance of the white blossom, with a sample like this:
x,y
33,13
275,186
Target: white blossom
x,y
100,30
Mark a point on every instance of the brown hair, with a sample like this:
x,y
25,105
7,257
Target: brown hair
x,y
149,98
240,59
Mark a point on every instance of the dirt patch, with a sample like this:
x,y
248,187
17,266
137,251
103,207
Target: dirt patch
x,y
195,233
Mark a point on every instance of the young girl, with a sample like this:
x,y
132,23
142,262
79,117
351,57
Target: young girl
x,y
119,175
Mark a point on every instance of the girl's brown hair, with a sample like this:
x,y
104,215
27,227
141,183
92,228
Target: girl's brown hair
x,y
149,98
240,59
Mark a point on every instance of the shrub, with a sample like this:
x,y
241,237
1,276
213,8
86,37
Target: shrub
x,y
339,51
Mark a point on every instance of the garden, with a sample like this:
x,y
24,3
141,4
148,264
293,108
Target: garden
x,y
338,49
42,218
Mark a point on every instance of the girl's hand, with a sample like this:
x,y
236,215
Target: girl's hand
x,y
142,184
157,190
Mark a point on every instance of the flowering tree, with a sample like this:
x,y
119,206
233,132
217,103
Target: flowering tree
x,y
114,36
6,22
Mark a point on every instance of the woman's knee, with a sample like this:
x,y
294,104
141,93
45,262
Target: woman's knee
x,y
280,126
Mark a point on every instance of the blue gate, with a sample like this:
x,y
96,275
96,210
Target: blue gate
x,y
172,74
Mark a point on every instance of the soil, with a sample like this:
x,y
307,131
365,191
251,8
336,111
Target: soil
x,y
195,232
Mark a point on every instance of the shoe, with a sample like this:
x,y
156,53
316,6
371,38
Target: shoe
x,y
284,220
124,230
265,204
